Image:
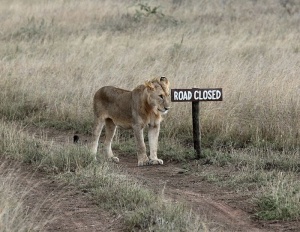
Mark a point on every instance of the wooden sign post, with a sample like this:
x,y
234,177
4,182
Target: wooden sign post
x,y
196,95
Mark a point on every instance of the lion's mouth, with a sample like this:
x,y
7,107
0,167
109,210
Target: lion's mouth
x,y
164,111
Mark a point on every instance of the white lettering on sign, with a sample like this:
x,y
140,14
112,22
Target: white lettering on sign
x,y
207,95
182,95
196,94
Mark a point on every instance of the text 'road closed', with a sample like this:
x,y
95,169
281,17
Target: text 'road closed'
x,y
194,94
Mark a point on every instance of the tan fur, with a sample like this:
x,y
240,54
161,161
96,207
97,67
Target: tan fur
x,y
136,109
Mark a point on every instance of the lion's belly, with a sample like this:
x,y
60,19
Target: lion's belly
x,y
126,127
122,124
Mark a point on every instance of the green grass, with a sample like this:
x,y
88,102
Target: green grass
x,y
140,207
169,149
280,199
110,188
17,144
270,177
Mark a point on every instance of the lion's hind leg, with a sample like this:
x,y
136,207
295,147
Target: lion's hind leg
x,y
98,126
110,129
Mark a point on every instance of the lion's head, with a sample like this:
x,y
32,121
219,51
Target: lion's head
x,y
158,90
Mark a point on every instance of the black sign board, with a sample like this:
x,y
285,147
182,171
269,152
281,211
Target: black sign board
x,y
187,95
195,96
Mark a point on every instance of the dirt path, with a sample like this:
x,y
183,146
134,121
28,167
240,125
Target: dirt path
x,y
60,207
224,209
203,197
74,211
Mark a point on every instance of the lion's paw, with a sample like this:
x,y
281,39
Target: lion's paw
x,y
115,159
155,162
142,163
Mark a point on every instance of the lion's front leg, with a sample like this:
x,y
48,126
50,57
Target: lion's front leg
x,y
141,147
153,134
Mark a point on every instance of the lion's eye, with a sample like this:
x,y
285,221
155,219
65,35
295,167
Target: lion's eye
x,y
161,96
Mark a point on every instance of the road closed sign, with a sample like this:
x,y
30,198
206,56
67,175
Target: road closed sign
x,y
196,95
184,95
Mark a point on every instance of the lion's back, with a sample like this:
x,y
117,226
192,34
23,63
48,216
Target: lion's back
x,y
113,102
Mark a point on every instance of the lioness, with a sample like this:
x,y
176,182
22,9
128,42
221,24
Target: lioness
x,y
134,109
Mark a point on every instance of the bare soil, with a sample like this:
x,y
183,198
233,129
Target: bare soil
x,y
73,210
223,209
61,207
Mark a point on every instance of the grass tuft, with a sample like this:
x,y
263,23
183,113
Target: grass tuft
x,y
14,215
141,208
280,200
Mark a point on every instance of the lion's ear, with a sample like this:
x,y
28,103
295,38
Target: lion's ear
x,y
149,85
164,83
164,79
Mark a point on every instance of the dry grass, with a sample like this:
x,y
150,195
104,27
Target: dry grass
x,y
14,214
267,179
54,55
140,207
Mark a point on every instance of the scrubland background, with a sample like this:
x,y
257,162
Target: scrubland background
x,y
56,54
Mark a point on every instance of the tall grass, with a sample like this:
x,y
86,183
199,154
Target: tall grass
x,y
280,198
55,55
15,143
14,215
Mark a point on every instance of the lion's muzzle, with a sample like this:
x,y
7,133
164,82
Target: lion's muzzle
x,y
165,110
